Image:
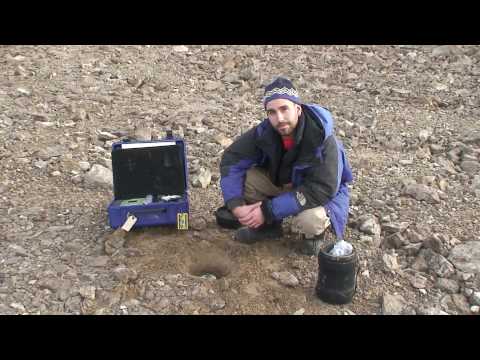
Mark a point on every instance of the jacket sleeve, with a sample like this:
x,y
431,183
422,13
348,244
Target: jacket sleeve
x,y
319,186
235,162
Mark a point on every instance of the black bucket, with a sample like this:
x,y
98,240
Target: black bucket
x,y
337,276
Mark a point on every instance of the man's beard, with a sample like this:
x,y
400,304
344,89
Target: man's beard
x,y
285,131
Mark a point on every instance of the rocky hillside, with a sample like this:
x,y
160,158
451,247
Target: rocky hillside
x,y
407,115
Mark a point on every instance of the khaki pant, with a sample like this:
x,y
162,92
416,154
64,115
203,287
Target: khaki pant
x,y
258,187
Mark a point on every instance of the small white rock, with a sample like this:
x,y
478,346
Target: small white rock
x,y
87,292
45,124
23,91
467,276
84,165
366,239
56,173
132,302
423,135
18,307
23,160
40,164
202,179
180,48
71,124
299,312
441,87
422,291
106,135
475,309
77,179
390,262
209,277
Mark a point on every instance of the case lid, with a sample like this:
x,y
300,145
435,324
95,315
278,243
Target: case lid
x,y
149,167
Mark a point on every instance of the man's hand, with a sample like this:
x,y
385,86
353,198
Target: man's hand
x,y
244,210
250,215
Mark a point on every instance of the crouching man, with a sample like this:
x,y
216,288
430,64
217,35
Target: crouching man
x,y
291,164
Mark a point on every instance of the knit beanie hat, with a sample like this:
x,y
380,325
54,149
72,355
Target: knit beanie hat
x,y
280,88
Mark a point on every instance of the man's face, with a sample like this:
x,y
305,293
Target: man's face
x,y
283,115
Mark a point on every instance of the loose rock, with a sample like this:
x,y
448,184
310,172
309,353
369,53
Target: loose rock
x,y
115,241
443,50
466,257
390,262
180,48
475,299
418,281
369,224
19,250
202,179
394,241
142,133
422,192
100,261
99,176
470,167
448,285
124,274
461,303
87,292
285,278
198,223
439,265
84,165
393,304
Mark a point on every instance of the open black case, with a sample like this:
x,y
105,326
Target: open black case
x,y
150,181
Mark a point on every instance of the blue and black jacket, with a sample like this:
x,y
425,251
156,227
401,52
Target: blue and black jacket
x,y
319,171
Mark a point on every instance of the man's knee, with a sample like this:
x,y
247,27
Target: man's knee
x,y
312,222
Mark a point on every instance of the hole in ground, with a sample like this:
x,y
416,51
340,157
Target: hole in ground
x,y
211,264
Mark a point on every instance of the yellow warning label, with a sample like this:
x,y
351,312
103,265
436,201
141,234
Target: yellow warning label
x,y
182,221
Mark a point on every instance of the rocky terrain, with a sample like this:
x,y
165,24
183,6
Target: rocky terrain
x,y
407,115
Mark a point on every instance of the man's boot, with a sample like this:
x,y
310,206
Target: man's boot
x,y
312,246
248,235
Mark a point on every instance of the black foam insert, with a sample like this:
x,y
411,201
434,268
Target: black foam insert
x,y
152,170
